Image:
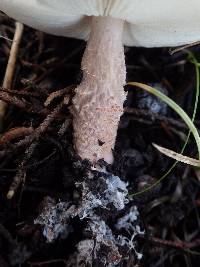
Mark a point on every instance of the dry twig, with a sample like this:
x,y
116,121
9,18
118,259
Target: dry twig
x,y
15,133
176,244
33,138
59,93
22,104
7,83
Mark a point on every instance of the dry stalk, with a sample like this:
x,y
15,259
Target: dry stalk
x,y
7,83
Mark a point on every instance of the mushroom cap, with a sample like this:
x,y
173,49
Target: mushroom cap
x,y
149,23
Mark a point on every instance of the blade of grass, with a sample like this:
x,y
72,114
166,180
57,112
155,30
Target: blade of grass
x,y
193,60
174,106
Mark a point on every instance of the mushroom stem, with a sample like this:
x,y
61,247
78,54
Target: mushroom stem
x,y
98,103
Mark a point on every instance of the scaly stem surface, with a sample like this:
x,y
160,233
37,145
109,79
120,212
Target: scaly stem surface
x,y
98,103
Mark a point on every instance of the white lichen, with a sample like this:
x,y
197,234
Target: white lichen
x,y
117,192
129,223
107,191
130,244
100,191
55,219
89,203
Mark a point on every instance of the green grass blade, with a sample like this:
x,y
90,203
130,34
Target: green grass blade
x,y
175,107
193,60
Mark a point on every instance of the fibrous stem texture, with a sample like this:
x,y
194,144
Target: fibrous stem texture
x,y
98,103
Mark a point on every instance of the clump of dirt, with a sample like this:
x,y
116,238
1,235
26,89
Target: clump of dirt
x,y
62,212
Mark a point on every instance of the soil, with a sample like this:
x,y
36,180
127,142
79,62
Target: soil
x,y
37,159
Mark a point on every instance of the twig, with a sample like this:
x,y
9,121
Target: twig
x,y
6,98
21,92
175,244
57,94
7,83
22,104
180,48
154,117
43,127
21,173
15,133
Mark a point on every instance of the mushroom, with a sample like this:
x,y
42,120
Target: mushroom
x,y
107,25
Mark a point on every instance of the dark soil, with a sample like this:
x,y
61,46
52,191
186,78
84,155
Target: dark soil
x,y
39,160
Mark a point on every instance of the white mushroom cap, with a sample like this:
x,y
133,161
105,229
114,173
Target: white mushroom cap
x,y
149,23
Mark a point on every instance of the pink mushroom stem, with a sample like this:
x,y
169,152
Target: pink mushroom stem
x,y
98,103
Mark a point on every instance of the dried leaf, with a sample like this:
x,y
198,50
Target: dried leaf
x,y
172,154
